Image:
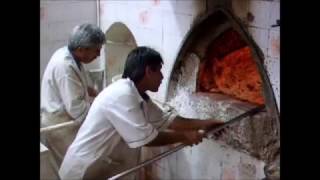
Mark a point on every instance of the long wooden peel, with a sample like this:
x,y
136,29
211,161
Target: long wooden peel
x,y
180,146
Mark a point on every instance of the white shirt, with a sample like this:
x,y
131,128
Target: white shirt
x,y
64,87
117,115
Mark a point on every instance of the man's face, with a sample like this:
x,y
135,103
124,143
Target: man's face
x,y
155,78
90,54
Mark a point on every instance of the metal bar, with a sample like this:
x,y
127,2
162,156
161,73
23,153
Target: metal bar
x,y
57,126
164,154
236,119
147,162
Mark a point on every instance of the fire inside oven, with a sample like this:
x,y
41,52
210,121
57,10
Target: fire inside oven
x,y
229,68
216,75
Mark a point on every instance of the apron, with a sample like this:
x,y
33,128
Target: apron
x,y
101,166
58,140
121,159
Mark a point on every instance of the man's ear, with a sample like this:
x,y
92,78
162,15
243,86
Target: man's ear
x,y
148,72
78,51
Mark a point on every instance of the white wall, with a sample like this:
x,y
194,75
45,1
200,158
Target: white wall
x,y
161,25
164,24
57,18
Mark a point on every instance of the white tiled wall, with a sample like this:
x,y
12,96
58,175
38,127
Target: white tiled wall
x,y
273,70
57,19
176,24
274,13
261,37
190,7
170,52
159,24
148,34
71,10
261,12
57,30
274,43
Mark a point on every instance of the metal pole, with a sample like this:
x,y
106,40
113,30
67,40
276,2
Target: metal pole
x,y
164,154
147,162
236,119
57,126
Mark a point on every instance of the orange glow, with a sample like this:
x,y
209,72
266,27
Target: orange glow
x,y
232,72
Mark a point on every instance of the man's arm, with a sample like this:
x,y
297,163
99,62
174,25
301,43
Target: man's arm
x,y
92,92
166,138
186,124
73,96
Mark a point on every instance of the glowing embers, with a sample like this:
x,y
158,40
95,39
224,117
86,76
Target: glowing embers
x,y
229,68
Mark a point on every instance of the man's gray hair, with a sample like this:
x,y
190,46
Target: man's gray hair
x,y
86,36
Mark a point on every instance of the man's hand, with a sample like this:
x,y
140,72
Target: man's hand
x,y
211,124
92,92
193,137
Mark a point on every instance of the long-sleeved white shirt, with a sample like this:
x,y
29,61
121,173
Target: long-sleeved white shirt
x,y
118,120
64,88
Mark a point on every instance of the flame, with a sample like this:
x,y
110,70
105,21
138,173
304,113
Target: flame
x,y
231,70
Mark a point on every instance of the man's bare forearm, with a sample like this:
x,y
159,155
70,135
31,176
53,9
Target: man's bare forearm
x,y
92,92
186,124
166,138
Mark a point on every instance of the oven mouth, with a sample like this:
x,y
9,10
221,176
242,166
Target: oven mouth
x,y
257,135
209,40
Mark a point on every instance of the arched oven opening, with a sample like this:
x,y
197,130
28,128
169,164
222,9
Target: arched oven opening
x,y
219,73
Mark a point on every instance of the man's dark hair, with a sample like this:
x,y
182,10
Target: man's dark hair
x,y
137,61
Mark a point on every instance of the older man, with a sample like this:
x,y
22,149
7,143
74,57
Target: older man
x,y
65,91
